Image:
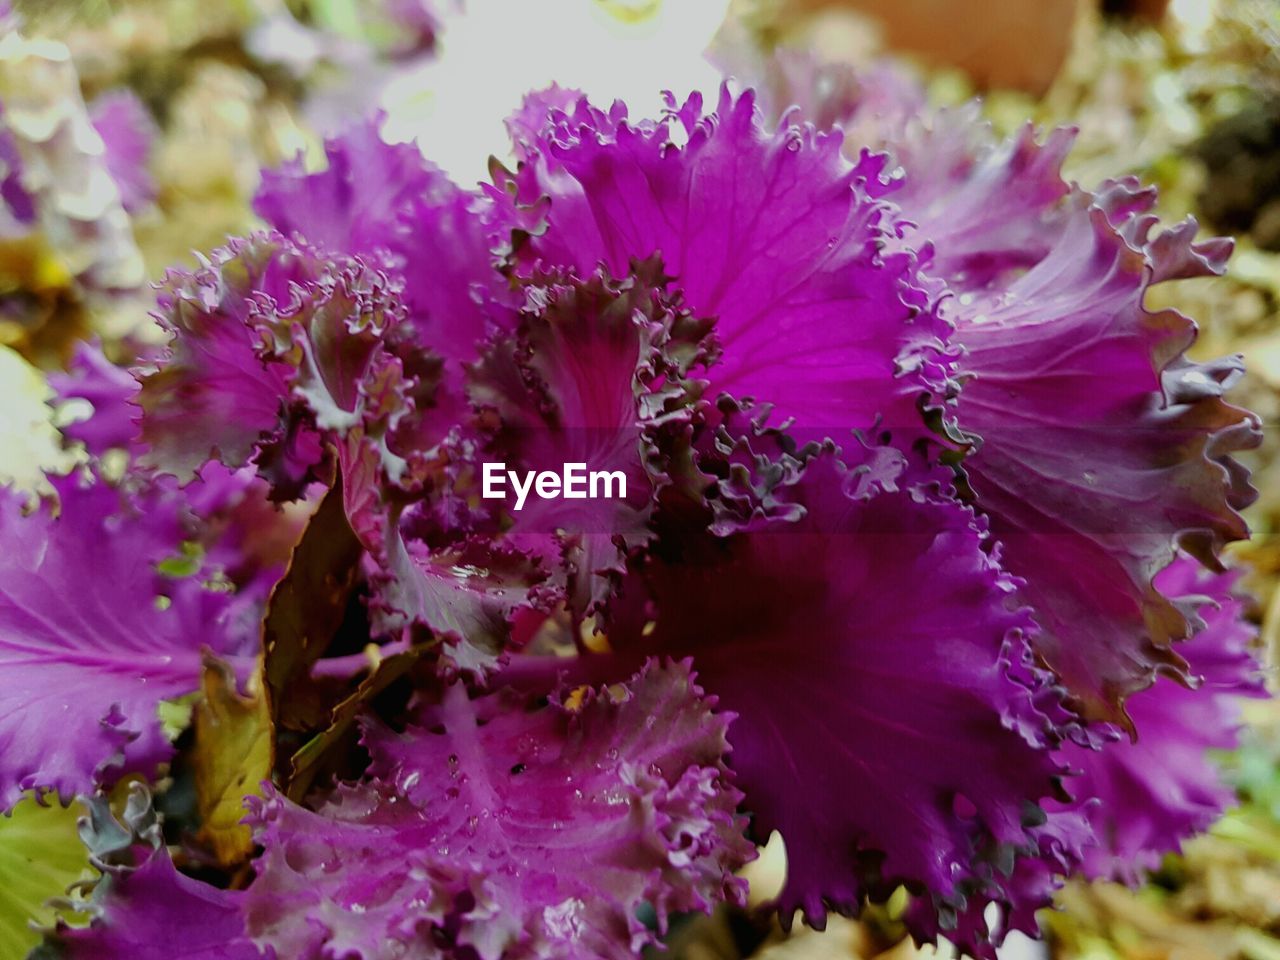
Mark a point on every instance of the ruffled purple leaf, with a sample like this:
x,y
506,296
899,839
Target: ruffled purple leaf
x,y
776,235
986,207
274,346
511,830
154,908
386,202
467,594
358,203
527,125
911,754
142,907
279,348
872,103
87,648
241,535
212,396
1022,885
109,390
595,376
1101,448
1143,798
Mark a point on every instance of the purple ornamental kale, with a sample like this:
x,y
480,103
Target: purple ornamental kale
x,y
907,464
775,236
902,706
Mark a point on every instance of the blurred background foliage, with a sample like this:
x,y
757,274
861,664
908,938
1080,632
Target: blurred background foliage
x,y
1183,93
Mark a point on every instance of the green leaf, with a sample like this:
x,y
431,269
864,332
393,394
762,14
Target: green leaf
x,y
340,16
40,856
175,714
186,563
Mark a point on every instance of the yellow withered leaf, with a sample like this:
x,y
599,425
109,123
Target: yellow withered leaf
x,y
233,755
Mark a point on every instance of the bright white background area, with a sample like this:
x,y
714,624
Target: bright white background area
x,y
499,50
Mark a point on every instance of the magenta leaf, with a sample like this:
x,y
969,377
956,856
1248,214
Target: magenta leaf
x,y
1101,448
142,907
512,829
867,648
776,235
87,646
1144,797
597,375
